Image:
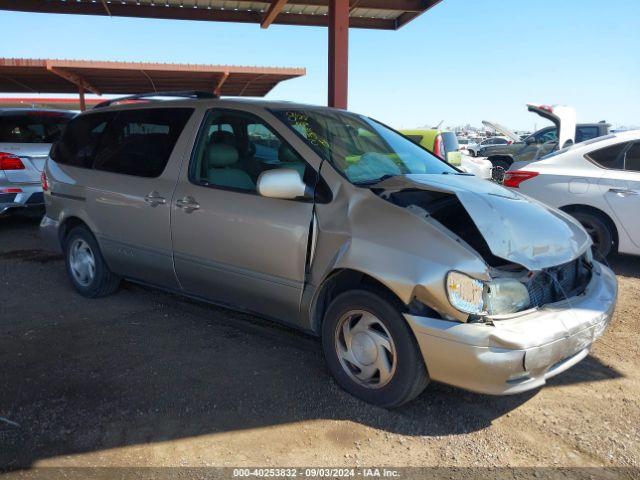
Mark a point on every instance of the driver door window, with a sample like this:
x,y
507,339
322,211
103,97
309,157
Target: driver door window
x,y
234,148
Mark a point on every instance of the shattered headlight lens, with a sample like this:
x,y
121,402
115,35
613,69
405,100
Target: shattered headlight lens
x,y
498,297
465,293
505,295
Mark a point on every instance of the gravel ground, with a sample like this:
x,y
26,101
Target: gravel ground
x,y
144,378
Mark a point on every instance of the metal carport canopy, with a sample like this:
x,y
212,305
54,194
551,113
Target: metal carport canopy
x,y
338,15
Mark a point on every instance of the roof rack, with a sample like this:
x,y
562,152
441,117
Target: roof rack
x,y
142,96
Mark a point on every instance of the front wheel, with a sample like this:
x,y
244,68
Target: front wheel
x,y
371,351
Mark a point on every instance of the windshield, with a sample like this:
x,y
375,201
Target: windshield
x,y
33,127
361,149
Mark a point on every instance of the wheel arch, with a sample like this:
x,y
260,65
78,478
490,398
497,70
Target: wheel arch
x,y
68,224
341,280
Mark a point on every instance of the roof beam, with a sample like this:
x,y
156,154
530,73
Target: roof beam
x,y
404,5
274,10
218,90
106,7
408,16
74,78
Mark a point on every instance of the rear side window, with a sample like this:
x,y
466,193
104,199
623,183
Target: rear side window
x,y
610,157
131,142
632,158
415,138
33,127
140,142
81,139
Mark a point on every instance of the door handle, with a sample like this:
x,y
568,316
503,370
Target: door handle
x,y
154,199
188,204
623,192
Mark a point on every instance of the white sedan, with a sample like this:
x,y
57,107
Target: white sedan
x,y
480,167
597,182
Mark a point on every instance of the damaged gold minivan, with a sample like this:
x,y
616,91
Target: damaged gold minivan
x,y
329,221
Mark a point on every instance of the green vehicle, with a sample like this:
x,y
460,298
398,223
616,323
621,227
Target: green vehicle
x,y
440,143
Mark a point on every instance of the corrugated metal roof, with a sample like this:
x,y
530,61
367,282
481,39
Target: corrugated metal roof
x,y
377,14
20,75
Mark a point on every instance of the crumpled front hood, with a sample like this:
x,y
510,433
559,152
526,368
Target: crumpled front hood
x,y
516,228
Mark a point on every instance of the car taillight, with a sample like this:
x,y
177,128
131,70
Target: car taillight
x,y
438,146
515,178
43,182
10,190
8,161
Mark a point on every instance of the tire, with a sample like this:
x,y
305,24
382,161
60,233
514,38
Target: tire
x,y
501,162
600,232
407,376
91,279
472,152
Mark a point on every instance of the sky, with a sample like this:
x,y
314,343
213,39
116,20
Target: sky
x,y
464,61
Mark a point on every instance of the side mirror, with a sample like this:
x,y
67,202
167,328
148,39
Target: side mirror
x,y
282,183
530,140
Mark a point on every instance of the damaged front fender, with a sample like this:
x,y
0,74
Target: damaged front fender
x,y
362,232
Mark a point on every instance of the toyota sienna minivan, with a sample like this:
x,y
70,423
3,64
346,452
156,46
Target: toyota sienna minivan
x,y
408,269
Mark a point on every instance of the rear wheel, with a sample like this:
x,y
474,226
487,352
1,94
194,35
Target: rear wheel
x,y
86,268
371,351
599,230
501,163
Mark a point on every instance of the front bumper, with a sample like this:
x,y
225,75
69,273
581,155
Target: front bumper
x,y
519,353
29,196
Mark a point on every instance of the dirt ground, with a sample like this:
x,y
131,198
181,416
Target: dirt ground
x,y
144,378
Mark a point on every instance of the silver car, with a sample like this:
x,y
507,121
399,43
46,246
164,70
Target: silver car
x,y
26,136
331,222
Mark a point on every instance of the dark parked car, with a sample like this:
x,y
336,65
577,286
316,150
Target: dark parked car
x,y
538,144
564,132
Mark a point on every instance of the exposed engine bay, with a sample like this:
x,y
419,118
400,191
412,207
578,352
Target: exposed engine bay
x,y
545,286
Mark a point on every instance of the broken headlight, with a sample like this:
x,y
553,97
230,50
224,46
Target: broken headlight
x,y
505,295
498,297
465,293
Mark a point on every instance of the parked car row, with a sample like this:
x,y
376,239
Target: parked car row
x,y
407,268
477,149
564,132
26,136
